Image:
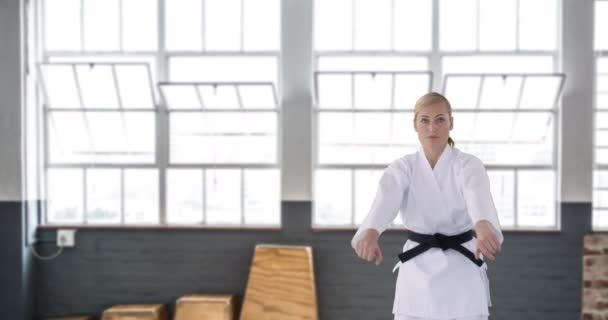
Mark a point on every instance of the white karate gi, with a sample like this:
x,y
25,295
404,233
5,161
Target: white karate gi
x,y
448,199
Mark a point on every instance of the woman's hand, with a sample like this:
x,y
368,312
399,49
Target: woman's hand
x,y
367,248
487,242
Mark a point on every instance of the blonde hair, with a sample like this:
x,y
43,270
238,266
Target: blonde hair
x,y
433,98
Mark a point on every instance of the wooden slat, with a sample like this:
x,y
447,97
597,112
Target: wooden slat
x,y
136,312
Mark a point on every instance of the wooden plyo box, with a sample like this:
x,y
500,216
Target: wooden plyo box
x,y
281,285
205,307
136,312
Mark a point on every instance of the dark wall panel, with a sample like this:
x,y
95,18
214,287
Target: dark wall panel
x,y
537,276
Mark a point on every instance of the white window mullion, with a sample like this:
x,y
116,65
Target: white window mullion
x,y
435,64
82,25
203,28
121,46
85,202
122,196
162,116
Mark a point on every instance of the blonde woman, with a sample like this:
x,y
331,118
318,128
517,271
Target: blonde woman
x,y
442,194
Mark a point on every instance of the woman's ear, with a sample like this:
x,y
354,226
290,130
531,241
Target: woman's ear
x,y
451,122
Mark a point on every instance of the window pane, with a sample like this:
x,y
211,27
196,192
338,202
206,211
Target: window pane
x,y
500,92
262,197
69,138
600,179
60,85
101,22
458,25
372,24
262,25
184,24
123,137
62,25
223,196
408,88
372,63
600,219
366,184
493,127
333,24
258,96
497,24
102,137
97,86
219,96
332,197
502,188
103,196
601,101
150,61
230,69
536,199
140,25
528,141
602,83
463,92
222,25
600,199
141,196
64,196
184,196
498,64
601,25
540,92
135,87
180,96
373,91
464,125
538,25
364,138
334,91
223,137
413,25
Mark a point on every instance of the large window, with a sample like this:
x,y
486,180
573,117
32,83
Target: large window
x,y
168,112
161,112
600,174
496,62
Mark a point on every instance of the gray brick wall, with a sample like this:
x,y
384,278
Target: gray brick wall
x,y
537,276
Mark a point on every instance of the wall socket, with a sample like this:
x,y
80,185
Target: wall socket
x,y
66,238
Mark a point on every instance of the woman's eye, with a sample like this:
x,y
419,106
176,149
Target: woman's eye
x,y
440,120
425,121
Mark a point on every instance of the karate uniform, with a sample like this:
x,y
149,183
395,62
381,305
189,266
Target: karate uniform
x,y
448,199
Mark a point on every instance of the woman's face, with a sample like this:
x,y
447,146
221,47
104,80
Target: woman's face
x,y
433,125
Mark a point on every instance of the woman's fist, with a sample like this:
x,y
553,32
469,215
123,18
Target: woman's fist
x,y
367,248
487,242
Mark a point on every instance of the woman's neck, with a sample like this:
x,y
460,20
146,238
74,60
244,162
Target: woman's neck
x,y
432,154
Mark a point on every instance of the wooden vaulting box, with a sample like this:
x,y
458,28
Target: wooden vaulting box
x,y
281,285
136,312
205,307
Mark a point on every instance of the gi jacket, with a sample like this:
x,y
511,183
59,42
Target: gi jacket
x,y
448,199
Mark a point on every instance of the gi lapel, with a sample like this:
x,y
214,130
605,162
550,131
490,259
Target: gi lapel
x,y
433,181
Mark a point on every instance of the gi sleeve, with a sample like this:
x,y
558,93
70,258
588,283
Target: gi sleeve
x,y
477,195
384,209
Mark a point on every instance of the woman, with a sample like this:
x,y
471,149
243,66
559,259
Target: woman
x,y
442,194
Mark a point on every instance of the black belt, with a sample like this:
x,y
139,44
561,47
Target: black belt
x,y
438,240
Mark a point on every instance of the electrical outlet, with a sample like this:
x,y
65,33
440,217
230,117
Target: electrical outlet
x,y
66,238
